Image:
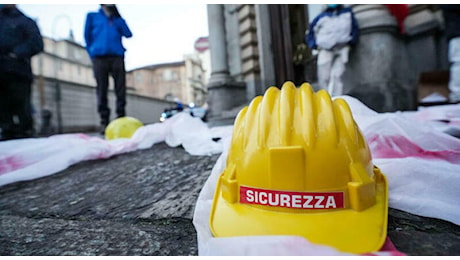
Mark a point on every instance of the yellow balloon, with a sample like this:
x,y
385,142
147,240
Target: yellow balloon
x,y
123,127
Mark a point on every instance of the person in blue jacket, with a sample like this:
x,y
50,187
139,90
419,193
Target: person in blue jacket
x,y
20,39
332,32
103,35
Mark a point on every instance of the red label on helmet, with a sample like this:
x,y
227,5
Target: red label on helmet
x,y
291,199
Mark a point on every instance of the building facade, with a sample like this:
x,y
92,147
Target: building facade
x,y
254,47
161,81
64,95
184,80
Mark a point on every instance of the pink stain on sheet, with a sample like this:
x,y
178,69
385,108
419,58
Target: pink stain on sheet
x,y
113,149
401,147
388,249
82,136
12,163
454,122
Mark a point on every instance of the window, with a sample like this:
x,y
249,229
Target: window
x,y
167,75
59,64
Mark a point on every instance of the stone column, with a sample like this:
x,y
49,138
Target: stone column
x,y
378,65
219,61
423,26
224,93
427,49
264,39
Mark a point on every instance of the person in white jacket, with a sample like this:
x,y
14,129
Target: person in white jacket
x,y
332,32
451,15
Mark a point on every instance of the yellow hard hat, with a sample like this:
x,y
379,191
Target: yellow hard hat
x,y
299,165
123,127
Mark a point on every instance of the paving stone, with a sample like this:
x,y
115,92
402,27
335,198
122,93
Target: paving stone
x,y
69,237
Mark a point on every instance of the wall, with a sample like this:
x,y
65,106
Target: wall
x,y
78,109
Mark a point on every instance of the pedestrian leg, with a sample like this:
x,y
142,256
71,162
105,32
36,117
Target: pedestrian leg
x,y
119,77
101,74
6,117
324,68
336,84
23,108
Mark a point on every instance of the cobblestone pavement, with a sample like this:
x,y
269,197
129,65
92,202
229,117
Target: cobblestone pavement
x,y
142,203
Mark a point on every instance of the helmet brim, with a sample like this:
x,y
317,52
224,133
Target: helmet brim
x,y
346,230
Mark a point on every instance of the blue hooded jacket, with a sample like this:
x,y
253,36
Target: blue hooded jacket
x,y
103,34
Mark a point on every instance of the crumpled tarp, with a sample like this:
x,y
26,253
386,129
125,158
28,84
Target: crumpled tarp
x,y
420,161
28,159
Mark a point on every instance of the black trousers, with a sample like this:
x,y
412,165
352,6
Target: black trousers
x,y
16,119
103,67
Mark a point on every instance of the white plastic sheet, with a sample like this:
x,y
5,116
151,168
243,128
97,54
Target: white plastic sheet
x,y
420,161
28,159
422,165
194,135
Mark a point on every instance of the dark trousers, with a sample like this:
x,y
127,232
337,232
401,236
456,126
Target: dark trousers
x,y
103,67
16,119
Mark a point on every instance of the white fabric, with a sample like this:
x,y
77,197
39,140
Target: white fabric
x,y
333,30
